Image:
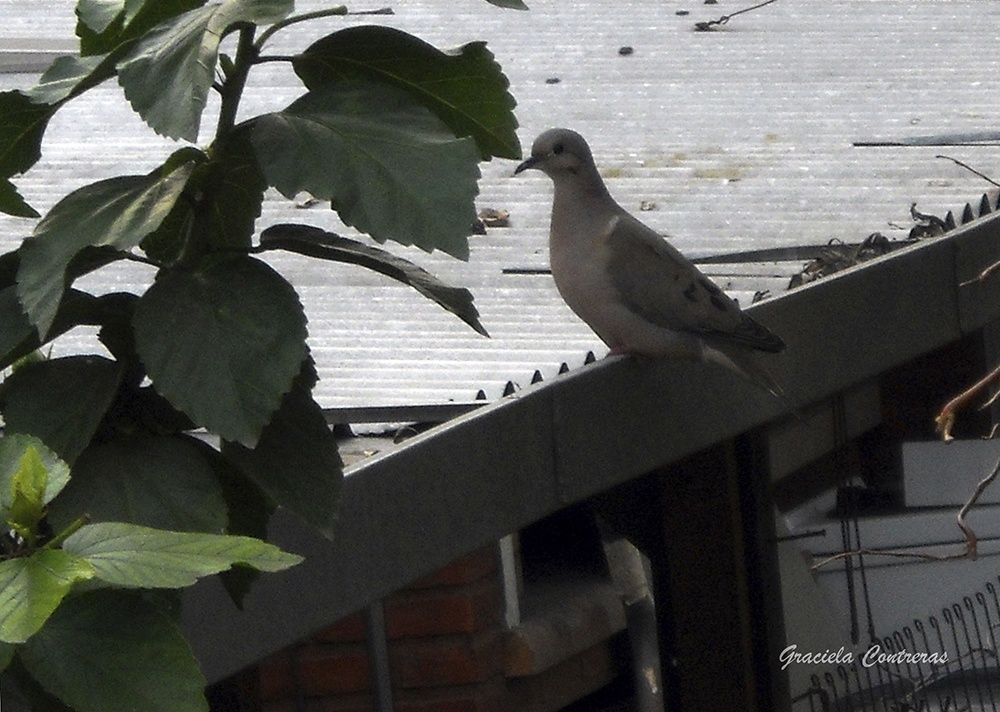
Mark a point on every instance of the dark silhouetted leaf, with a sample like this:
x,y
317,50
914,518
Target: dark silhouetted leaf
x,y
296,461
223,342
164,482
62,401
388,166
117,212
312,241
465,88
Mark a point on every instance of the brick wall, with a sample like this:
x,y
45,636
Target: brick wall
x,y
445,650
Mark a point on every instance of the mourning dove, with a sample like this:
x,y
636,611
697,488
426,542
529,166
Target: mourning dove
x,y
636,290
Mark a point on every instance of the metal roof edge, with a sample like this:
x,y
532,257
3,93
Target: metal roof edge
x,y
487,473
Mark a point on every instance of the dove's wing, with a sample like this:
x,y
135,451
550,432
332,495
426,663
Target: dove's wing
x,y
658,283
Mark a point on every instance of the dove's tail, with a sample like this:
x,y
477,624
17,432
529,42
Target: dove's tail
x,y
746,364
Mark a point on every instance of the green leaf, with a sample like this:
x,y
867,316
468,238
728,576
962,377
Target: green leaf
x,y
12,448
388,166
18,337
69,76
236,191
106,25
97,15
27,496
117,212
32,587
109,651
139,557
22,126
12,203
169,71
222,341
296,461
249,512
24,116
313,242
465,88
61,401
157,481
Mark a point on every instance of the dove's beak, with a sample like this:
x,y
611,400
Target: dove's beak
x,y
530,163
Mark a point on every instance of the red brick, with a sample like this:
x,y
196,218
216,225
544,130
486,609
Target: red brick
x,y
340,703
469,568
490,696
351,629
445,659
468,608
321,670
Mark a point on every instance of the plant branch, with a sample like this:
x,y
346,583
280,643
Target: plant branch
x,y
57,541
971,541
945,420
338,11
970,169
970,536
232,88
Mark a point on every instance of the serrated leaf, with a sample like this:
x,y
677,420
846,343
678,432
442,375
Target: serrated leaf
x,y
222,341
18,337
157,481
169,71
139,557
117,212
109,651
22,126
465,88
61,401
249,512
97,15
70,76
24,116
296,461
32,587
12,448
388,166
133,19
313,242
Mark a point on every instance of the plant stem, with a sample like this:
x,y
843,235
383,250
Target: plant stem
x,y
66,533
288,21
232,88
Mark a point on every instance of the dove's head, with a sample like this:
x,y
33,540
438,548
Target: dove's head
x,y
559,153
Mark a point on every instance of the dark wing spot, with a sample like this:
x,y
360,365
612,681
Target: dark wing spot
x,y
691,293
712,288
720,302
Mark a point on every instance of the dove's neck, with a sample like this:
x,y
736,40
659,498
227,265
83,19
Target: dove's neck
x,y
581,203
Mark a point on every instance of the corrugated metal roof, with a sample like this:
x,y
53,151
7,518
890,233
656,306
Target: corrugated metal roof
x,y
742,138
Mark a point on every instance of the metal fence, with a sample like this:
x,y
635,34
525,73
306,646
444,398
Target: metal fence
x,y
944,663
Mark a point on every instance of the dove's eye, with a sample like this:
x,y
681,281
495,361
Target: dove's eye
x,y
557,149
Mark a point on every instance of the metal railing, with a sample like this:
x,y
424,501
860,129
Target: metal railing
x,y
946,662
